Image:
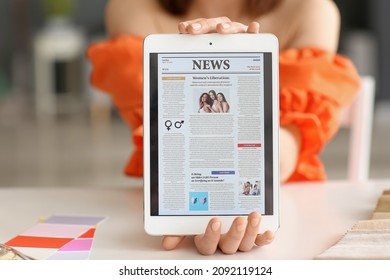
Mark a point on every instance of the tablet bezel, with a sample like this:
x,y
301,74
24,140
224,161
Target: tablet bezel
x,y
183,43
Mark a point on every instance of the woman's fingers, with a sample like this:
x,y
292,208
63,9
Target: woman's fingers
x,y
265,238
231,28
242,235
222,25
202,25
185,24
253,27
171,242
231,241
252,229
207,243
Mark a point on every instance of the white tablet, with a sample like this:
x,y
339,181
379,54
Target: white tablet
x,y
211,131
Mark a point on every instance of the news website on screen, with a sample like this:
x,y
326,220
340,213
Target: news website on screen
x,y
211,133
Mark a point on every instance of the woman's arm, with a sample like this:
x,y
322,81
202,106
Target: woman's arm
x,y
208,108
123,17
225,107
318,25
289,151
200,106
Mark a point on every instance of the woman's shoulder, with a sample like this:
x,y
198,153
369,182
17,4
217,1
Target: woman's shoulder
x,y
135,17
311,23
312,11
302,7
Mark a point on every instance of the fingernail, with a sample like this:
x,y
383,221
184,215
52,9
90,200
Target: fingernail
x,y
269,240
215,226
185,24
225,25
255,222
196,26
241,227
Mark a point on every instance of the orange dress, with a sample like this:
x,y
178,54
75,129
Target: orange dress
x,y
314,85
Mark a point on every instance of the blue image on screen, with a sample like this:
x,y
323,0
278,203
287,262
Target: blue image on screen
x,y
199,201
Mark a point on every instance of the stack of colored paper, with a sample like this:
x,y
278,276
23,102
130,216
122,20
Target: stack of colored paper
x,y
58,238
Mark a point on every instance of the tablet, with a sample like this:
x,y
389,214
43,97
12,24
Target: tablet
x,y
211,131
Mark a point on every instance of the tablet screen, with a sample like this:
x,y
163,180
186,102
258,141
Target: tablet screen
x,y
211,141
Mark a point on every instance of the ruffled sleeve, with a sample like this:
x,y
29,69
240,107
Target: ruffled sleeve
x,y
117,70
314,86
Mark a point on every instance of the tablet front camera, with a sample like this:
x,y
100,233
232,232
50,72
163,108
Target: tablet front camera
x,y
210,43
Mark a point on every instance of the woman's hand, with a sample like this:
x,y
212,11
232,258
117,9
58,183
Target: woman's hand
x,y
208,108
242,236
222,25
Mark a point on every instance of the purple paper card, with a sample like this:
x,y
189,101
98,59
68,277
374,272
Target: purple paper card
x,y
83,244
56,230
64,255
74,220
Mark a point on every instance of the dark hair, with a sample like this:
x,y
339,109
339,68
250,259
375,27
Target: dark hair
x,y
253,7
223,98
208,100
213,93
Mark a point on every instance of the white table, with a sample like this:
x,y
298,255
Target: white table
x,y
313,217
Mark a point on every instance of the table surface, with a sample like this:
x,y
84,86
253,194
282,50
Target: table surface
x,y
313,217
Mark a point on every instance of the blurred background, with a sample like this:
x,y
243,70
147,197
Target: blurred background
x,y
56,130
